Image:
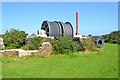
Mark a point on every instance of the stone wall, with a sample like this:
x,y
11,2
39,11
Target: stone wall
x,y
45,50
1,43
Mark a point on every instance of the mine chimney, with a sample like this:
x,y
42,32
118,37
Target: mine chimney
x,y
77,23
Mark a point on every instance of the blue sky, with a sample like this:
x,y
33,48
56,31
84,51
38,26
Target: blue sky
x,y
95,18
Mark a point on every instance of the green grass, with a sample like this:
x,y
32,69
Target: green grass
x,y
103,64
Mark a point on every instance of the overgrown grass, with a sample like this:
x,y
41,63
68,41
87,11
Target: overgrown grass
x,y
103,64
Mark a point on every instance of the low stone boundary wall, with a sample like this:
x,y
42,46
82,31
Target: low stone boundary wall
x,y
18,52
44,50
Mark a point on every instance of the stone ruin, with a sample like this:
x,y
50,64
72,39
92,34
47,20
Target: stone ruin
x,y
45,50
1,43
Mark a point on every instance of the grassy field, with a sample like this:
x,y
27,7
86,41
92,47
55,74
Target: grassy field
x,y
100,65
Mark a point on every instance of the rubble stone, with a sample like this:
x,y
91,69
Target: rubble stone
x,y
1,43
45,50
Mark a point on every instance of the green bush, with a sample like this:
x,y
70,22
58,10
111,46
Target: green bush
x,y
14,39
78,44
88,44
63,45
28,47
113,37
34,45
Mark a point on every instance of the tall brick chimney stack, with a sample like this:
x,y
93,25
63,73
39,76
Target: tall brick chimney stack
x,y
77,23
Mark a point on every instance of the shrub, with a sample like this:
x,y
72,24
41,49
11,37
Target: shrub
x,y
14,39
28,47
113,41
88,44
35,44
78,44
63,45
113,37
